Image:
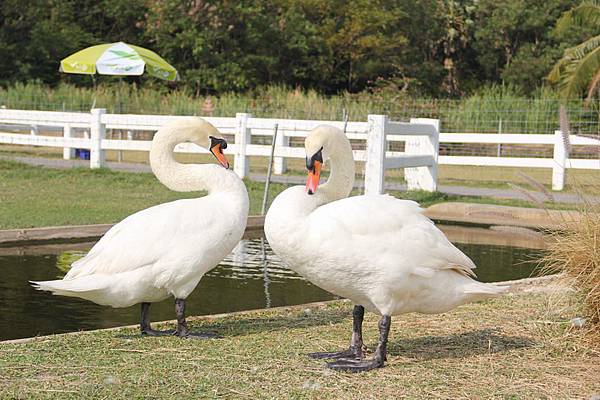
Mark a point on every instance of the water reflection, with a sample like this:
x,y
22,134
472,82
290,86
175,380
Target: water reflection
x,y
246,279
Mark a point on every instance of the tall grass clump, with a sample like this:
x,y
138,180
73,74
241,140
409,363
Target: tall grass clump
x,y
500,109
494,109
575,254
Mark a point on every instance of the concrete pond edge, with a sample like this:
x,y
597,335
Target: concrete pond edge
x,y
24,236
454,212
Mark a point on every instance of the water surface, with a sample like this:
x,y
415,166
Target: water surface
x,y
243,281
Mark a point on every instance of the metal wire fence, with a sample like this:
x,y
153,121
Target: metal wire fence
x,y
487,113
469,115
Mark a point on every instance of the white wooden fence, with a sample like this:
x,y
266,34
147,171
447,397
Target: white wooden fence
x,y
420,158
559,163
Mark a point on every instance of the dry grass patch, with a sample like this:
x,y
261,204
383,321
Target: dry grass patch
x,y
575,253
517,346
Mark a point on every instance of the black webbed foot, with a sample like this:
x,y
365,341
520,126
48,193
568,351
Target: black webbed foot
x,y
362,365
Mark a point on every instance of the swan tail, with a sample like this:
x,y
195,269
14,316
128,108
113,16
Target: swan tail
x,y
71,287
484,289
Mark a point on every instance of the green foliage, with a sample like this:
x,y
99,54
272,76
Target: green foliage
x,y
585,13
514,39
457,18
426,48
32,36
493,108
361,34
35,35
233,46
579,68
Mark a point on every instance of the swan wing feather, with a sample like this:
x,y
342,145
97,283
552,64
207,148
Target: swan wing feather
x,y
386,229
146,237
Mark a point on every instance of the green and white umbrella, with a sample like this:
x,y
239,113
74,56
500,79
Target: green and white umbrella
x,y
118,59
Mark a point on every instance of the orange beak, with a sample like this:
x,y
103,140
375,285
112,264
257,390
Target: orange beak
x,y
217,151
312,182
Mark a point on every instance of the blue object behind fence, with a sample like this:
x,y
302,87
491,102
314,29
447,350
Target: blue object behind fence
x,y
83,154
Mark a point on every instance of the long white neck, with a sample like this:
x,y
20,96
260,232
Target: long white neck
x,y
287,224
187,177
341,175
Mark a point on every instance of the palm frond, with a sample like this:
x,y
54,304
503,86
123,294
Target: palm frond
x,y
585,14
579,64
582,49
594,84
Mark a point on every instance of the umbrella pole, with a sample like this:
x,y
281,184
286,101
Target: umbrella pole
x,y
119,102
94,85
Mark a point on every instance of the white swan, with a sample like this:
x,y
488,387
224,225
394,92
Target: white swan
x,y
164,250
380,252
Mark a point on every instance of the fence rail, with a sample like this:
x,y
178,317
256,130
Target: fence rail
x,y
242,127
420,158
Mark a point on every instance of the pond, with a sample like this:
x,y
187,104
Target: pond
x,y
243,281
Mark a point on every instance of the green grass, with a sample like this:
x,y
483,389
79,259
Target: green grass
x,y
577,180
514,347
34,196
426,199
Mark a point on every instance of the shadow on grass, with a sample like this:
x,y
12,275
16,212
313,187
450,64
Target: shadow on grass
x,y
459,345
246,325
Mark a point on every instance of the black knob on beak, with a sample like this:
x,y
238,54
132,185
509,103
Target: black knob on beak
x,y
310,162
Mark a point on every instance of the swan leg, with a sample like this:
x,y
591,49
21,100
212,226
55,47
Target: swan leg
x,y
145,323
353,365
356,344
182,328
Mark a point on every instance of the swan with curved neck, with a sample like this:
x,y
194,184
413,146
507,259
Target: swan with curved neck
x,y
378,251
165,250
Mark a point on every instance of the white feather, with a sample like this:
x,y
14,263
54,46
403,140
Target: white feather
x,y
166,249
376,250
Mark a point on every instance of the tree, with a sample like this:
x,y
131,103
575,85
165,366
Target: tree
x,y
514,42
429,47
458,26
34,36
226,45
579,68
365,40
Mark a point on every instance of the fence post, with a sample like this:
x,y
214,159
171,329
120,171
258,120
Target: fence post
x,y
375,162
97,133
280,163
68,152
241,165
423,178
560,158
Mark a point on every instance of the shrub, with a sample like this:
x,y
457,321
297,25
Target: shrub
x,y
575,253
